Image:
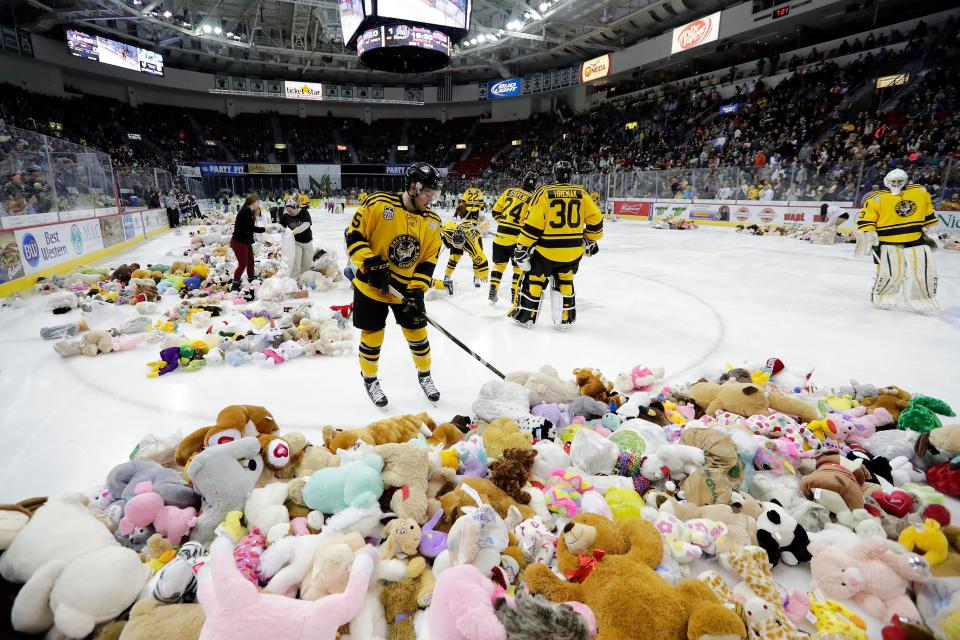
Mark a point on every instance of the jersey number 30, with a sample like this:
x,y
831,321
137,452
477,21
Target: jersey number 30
x,y
566,214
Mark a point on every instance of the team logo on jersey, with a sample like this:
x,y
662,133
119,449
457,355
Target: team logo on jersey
x,y
388,213
404,250
905,208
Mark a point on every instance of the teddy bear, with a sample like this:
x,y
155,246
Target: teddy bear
x,y
233,422
147,509
123,479
265,509
740,517
354,484
503,434
330,568
395,429
223,475
235,608
871,574
747,400
511,472
95,342
721,472
501,399
152,620
609,564
480,536
402,599
406,468
453,502
892,398
757,600
593,385
845,477
781,536
545,386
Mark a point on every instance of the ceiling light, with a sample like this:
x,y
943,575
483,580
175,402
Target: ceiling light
x,y
207,28
167,14
514,25
217,30
137,3
544,6
229,34
499,32
473,41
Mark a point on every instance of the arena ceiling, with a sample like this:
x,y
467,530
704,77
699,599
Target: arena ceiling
x,y
301,39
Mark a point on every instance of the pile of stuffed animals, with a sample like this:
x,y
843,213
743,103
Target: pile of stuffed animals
x,y
189,315
564,508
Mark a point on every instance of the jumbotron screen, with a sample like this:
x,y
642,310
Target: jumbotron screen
x,y
446,13
99,49
359,16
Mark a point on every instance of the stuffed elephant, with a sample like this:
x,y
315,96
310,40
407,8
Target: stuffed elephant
x,y
170,484
224,476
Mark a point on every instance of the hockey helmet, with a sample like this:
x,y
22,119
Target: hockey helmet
x,y
530,181
896,180
562,171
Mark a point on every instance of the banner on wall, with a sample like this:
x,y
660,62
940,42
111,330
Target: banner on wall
x,y
10,266
318,176
132,226
263,168
508,88
189,172
632,208
303,90
44,247
154,219
949,219
595,69
111,230
222,168
693,34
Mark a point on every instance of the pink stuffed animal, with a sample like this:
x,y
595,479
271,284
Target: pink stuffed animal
x,y
146,507
644,378
873,575
235,609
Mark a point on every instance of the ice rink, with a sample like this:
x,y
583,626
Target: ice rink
x,y
684,300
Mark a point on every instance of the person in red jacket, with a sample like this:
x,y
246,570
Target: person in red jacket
x,y
242,240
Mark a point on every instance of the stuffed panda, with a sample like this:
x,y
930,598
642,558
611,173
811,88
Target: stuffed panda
x,y
781,536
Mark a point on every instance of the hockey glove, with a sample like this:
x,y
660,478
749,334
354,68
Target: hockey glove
x,y
590,247
866,241
521,257
377,271
413,306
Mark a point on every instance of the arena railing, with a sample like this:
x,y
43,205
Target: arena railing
x,y
47,179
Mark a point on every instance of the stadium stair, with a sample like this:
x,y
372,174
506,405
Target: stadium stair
x,y
473,166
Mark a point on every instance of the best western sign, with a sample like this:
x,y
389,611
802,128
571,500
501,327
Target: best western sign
x,y
595,69
696,33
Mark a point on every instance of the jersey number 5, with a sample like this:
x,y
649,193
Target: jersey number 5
x,y
567,214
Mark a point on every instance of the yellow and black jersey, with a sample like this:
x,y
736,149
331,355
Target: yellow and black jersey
x,y
304,200
469,211
409,242
362,197
509,211
473,243
897,219
595,196
559,218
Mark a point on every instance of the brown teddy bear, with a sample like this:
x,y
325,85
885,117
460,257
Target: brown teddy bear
x,y
748,400
832,474
403,598
512,471
491,494
611,567
502,434
147,291
740,517
406,468
892,398
233,422
124,272
395,429
594,385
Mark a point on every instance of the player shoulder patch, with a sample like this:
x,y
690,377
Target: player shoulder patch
x,y
388,213
433,225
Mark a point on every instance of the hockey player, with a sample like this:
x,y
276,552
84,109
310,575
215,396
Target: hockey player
x,y
394,240
459,238
509,211
362,197
469,206
826,232
563,222
891,224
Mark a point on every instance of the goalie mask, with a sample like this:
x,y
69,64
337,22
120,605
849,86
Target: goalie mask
x,y
896,180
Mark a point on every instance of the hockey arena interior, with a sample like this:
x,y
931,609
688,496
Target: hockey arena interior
x,y
480,319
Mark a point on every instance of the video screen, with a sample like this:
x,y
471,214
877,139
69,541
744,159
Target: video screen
x,y
117,54
446,13
351,15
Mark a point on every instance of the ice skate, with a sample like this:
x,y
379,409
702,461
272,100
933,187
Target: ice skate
x,y
492,296
429,389
377,396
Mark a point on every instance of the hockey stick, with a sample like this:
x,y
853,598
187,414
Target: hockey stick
x,y
453,338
